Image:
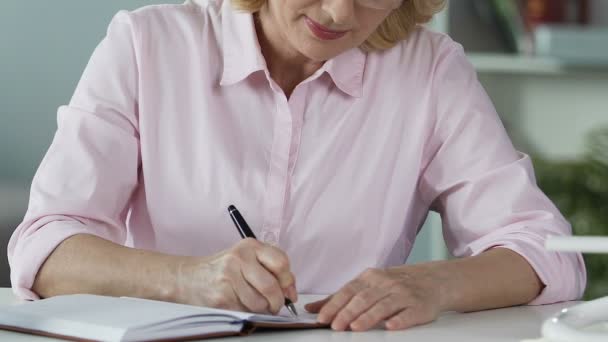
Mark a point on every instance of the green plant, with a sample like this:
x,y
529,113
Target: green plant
x,y
580,190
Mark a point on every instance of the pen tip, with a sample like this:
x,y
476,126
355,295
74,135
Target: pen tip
x,y
292,310
231,208
291,307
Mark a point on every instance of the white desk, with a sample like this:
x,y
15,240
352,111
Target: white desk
x,y
511,324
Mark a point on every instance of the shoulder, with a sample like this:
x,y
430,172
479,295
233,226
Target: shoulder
x,y
171,20
171,32
422,54
200,10
429,42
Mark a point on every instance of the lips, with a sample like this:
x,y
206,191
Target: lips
x,y
321,31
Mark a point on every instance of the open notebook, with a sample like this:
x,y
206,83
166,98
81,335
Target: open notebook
x,y
99,318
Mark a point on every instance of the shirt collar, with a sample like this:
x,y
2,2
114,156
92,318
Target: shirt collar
x,y
346,70
243,56
242,53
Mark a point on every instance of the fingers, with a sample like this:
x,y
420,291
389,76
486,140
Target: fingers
x,y
384,308
251,299
338,301
365,309
377,295
315,307
277,262
406,319
265,283
264,275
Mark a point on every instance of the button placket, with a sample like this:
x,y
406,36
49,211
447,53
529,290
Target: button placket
x,y
296,106
297,110
275,193
283,171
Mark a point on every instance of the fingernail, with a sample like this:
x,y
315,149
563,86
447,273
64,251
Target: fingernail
x,y
322,319
336,326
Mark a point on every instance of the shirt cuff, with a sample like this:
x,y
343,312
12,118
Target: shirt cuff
x,y
563,274
32,251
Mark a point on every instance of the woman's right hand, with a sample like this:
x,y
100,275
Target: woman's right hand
x,y
250,276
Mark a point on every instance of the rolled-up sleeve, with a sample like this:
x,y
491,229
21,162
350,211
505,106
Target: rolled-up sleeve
x,y
485,190
85,181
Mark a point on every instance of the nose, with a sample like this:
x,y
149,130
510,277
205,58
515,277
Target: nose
x,y
342,12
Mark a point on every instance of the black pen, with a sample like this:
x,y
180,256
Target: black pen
x,y
246,232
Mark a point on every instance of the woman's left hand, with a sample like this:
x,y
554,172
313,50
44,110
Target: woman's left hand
x,y
403,296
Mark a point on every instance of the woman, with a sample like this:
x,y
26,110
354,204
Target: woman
x,y
333,125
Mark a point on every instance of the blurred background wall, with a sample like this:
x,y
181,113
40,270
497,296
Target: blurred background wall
x,y
547,106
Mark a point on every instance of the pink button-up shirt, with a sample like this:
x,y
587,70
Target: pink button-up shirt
x,y
176,118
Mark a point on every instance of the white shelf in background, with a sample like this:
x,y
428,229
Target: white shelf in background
x,y
529,65
583,244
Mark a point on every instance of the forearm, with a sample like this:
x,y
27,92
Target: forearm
x,y
89,264
496,278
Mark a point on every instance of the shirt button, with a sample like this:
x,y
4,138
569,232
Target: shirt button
x,y
270,238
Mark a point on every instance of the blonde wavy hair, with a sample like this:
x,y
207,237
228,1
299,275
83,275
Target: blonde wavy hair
x,y
395,28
